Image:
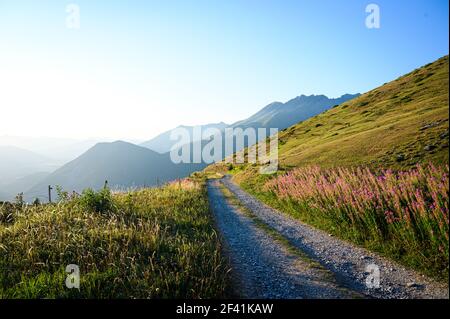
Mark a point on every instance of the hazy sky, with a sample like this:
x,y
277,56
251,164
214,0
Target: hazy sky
x,y
135,68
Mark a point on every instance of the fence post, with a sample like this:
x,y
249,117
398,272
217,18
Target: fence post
x,y
50,193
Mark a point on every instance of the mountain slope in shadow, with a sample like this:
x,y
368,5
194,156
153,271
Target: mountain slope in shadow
x,y
163,143
16,163
123,165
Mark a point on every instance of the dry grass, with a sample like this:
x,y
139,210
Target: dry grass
x,y
152,243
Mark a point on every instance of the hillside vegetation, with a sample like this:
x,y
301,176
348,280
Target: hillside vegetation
x,y
397,125
153,243
355,171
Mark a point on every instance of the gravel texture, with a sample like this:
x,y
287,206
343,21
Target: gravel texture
x,y
266,270
261,266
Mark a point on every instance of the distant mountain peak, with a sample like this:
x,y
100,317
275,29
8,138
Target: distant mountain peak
x,y
282,115
347,95
121,163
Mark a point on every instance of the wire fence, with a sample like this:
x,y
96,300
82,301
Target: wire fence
x,y
30,197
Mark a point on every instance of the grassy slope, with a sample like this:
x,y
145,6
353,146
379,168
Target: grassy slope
x,y
155,243
379,128
388,127
395,126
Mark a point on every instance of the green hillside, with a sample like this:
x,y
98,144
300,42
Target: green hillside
x,y
396,125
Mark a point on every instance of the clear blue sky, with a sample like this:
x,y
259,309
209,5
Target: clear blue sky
x,y
135,68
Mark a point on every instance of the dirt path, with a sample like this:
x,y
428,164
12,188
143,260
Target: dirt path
x,y
275,256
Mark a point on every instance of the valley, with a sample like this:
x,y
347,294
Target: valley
x,y
128,165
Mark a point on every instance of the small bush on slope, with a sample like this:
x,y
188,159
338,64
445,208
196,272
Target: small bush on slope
x,y
100,202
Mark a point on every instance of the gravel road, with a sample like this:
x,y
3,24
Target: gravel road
x,y
264,268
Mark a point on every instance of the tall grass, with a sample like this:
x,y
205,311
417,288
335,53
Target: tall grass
x,y
403,214
152,243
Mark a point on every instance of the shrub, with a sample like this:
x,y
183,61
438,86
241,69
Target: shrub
x,y
99,202
364,103
19,200
63,196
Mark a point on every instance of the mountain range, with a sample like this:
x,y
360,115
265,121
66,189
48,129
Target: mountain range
x,y
282,115
16,163
58,150
126,165
275,115
123,165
